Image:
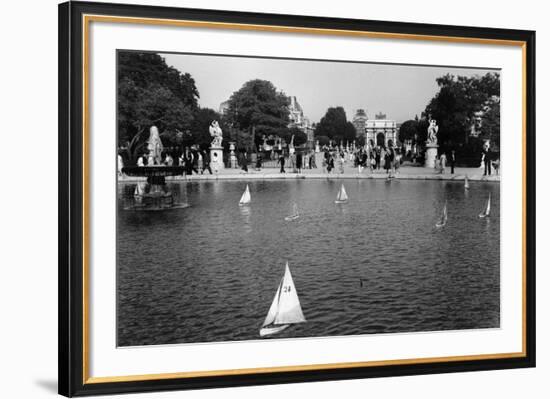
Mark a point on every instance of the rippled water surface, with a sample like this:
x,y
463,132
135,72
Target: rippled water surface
x,y
374,265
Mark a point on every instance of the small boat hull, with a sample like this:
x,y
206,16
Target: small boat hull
x,y
483,215
439,225
266,331
291,218
244,203
340,201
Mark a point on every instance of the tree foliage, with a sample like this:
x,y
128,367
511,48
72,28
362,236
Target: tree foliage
x,y
200,127
490,122
258,109
152,93
415,130
456,104
335,126
408,130
299,136
323,140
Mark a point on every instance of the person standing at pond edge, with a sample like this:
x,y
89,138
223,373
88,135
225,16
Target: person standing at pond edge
x,y
244,162
487,160
452,161
282,162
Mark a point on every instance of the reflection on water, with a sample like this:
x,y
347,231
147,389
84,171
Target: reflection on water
x,y
373,265
245,217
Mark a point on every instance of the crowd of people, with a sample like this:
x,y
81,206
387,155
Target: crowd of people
x,y
374,159
297,161
193,160
331,160
334,159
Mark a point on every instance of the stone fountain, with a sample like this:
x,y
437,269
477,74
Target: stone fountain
x,y
154,195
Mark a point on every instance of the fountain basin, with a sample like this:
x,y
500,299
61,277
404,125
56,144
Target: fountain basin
x,y
154,196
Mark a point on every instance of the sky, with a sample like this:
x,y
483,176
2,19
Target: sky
x,y
399,91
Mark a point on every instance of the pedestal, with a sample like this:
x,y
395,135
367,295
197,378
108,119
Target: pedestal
x,y
431,155
232,156
216,161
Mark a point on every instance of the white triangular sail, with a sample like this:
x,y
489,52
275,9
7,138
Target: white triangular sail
x,y
466,184
274,308
245,199
289,310
342,195
285,308
487,210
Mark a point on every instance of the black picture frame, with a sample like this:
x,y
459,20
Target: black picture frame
x,y
72,194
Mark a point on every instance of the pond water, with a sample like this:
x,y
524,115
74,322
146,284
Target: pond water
x,y
376,264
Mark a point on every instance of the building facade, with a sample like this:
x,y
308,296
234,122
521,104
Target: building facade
x,y
297,119
295,113
224,107
379,131
360,122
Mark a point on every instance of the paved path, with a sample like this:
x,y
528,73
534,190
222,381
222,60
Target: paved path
x,y
405,172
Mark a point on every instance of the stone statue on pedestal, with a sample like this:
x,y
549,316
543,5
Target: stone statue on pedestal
x,y
155,147
216,133
432,132
431,145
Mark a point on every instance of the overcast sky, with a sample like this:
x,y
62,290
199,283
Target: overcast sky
x,y
399,91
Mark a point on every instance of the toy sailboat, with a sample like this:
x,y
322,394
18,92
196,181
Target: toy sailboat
x,y
443,221
466,184
245,199
342,196
487,210
285,309
295,215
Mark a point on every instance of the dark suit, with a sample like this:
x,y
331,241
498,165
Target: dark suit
x,y
487,162
282,162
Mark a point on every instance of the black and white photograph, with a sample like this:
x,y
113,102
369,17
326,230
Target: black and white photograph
x,y
276,198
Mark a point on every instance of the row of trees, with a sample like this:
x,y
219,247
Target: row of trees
x,y
262,111
152,93
258,112
336,127
461,104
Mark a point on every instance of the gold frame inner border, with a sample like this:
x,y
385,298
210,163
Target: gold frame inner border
x,y
87,19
